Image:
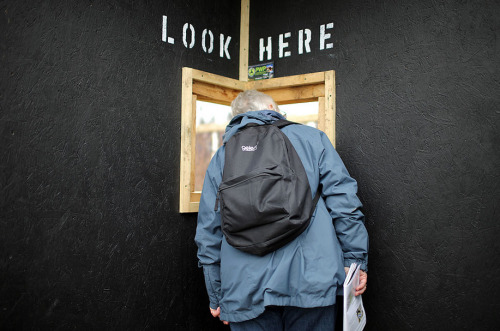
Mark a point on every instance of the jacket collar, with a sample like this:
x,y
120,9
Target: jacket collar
x,y
259,117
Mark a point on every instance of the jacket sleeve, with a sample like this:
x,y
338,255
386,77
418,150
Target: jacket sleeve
x,y
208,236
340,194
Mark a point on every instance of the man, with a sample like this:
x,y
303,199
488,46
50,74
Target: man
x,y
294,287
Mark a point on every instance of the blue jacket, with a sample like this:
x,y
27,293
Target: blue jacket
x,y
308,271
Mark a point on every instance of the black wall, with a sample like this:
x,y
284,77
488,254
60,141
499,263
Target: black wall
x,y
418,127
90,234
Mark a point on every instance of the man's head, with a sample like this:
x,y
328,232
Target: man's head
x,y
252,100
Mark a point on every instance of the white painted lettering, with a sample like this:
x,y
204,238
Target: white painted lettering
x,y
164,36
184,35
224,46
203,39
324,36
263,49
283,45
304,43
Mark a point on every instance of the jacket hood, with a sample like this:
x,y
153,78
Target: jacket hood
x,y
259,117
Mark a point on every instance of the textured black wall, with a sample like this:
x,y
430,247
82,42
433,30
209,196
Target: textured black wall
x,y
90,234
418,99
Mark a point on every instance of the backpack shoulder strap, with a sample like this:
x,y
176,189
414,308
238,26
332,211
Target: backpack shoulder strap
x,y
281,124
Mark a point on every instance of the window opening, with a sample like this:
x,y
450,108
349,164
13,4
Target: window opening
x,y
211,122
303,113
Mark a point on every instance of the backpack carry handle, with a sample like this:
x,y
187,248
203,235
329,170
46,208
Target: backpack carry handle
x,y
282,123
279,124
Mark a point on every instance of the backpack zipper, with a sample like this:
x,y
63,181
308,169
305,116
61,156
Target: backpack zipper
x,y
239,183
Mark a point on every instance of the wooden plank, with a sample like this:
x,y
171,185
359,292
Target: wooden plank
x,y
244,38
207,77
193,145
330,105
214,92
321,113
273,83
209,99
192,207
195,196
288,102
296,94
186,140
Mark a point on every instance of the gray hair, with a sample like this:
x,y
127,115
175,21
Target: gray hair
x,y
252,100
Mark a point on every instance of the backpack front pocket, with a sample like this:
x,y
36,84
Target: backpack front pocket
x,y
253,200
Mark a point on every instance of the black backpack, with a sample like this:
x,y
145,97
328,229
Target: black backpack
x,y
265,198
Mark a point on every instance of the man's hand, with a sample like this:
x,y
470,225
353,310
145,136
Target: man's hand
x,y
363,279
216,313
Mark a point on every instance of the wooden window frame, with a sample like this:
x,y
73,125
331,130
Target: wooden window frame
x,y
204,86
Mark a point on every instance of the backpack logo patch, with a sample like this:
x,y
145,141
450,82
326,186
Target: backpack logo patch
x,y
249,148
